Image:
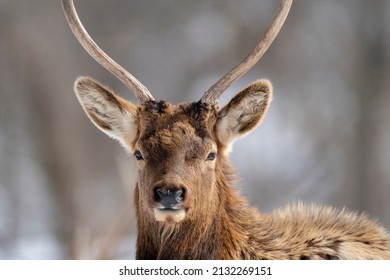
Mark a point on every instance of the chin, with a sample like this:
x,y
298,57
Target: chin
x,y
170,215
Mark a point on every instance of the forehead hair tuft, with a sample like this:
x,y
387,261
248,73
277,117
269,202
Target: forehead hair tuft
x,y
160,115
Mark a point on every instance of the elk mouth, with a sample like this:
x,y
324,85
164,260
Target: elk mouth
x,y
169,215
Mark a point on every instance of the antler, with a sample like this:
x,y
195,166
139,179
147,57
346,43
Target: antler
x,y
216,90
139,90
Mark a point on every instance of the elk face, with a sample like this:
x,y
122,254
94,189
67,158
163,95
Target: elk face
x,y
178,148
176,155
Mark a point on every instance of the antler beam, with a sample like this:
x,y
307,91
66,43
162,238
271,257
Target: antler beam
x,y
139,90
216,90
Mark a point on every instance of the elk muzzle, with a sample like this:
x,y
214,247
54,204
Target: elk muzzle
x,y
169,201
169,198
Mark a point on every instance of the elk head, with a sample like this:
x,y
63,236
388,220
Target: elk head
x,y
180,149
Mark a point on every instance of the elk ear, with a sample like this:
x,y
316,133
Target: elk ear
x,y
244,112
110,113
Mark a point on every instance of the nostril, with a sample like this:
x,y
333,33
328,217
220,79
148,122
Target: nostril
x,y
159,193
169,197
179,196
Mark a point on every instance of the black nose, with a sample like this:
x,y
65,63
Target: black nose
x,y
169,197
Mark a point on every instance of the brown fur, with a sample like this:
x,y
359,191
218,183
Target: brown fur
x,y
175,143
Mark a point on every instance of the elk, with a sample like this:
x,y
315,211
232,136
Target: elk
x,y
186,202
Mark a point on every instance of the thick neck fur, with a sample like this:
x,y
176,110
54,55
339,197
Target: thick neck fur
x,y
217,234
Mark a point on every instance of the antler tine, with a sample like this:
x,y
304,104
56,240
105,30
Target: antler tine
x,y
139,90
216,90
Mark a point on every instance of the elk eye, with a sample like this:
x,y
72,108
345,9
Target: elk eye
x,y
138,155
211,156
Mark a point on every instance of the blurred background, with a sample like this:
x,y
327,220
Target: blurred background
x,y
66,188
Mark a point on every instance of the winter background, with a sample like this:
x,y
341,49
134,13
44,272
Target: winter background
x,y
66,188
